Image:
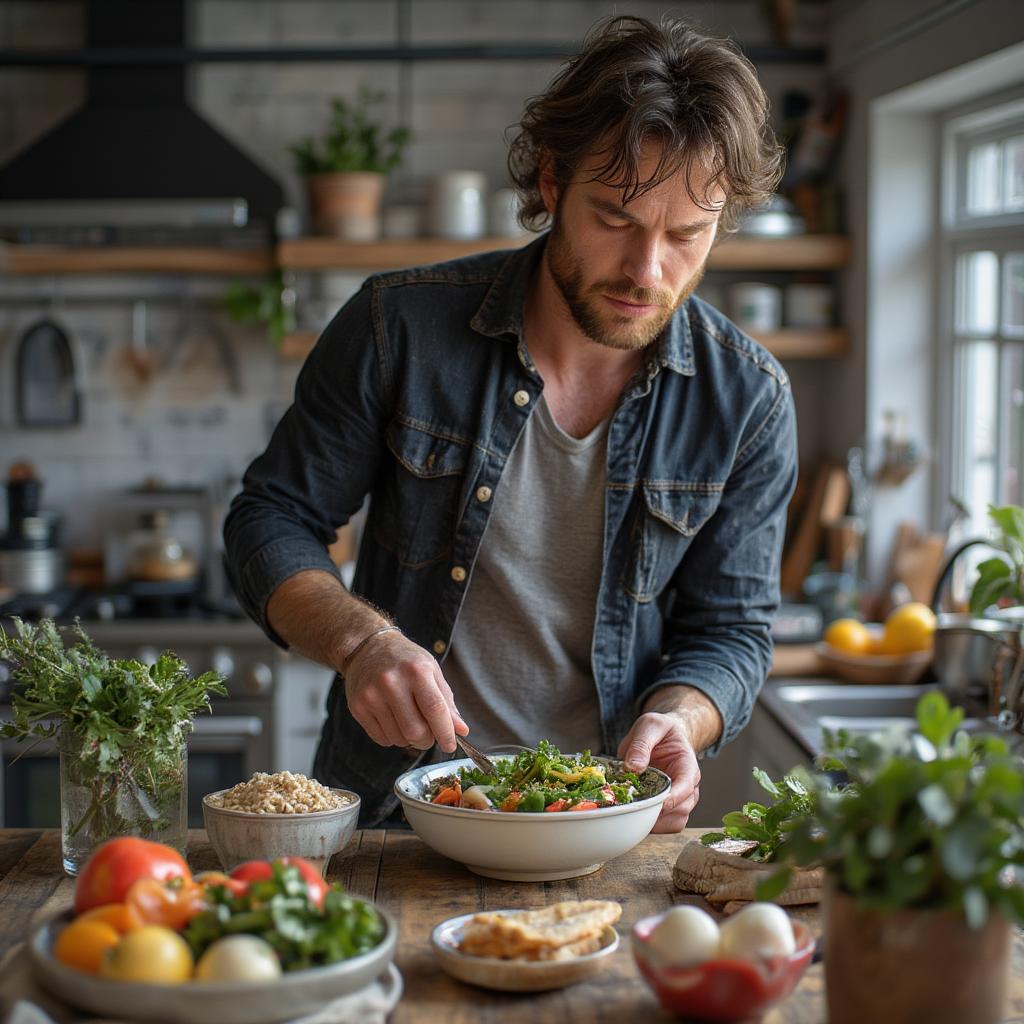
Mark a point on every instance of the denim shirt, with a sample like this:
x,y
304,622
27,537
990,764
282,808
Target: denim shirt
x,y
415,395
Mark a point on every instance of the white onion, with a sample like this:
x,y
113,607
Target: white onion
x,y
759,931
477,798
685,936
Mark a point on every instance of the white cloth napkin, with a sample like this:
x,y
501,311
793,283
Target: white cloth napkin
x,y
22,1001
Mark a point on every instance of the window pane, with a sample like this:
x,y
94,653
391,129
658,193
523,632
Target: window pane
x,y
1012,492
1013,295
983,179
1013,154
978,429
977,294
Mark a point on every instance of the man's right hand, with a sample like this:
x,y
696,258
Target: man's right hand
x,y
397,693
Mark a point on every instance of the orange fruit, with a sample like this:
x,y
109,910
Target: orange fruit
x,y
122,917
83,944
909,628
850,636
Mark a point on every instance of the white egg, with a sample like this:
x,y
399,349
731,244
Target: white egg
x,y
756,932
685,936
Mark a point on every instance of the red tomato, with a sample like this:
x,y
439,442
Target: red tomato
x,y
111,870
258,870
172,905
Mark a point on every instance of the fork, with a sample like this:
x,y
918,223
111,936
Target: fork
x,y
482,761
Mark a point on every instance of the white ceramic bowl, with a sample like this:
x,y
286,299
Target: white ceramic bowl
x,y
238,836
525,847
515,975
294,994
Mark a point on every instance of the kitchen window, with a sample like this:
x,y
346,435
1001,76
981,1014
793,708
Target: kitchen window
x,y
982,280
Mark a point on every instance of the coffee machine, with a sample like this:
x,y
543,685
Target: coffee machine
x,y
31,559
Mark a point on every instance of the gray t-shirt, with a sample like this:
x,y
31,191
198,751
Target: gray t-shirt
x,y
519,660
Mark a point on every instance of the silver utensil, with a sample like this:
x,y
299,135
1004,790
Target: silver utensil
x,y
482,761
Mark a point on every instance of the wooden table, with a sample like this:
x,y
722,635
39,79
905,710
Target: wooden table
x,y
421,888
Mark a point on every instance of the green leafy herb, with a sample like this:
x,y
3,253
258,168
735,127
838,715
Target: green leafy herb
x,y
122,724
768,824
278,909
270,303
1001,580
352,142
933,819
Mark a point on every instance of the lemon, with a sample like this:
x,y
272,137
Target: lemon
x,y
848,635
909,628
152,954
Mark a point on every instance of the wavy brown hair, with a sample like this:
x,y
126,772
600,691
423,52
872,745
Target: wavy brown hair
x,y
633,82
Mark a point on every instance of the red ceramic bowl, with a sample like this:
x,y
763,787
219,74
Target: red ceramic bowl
x,y
721,990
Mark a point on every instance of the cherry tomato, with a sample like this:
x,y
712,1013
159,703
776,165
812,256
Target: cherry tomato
x,y
111,870
259,870
168,904
206,879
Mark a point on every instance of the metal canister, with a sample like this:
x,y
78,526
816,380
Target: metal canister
x,y
966,648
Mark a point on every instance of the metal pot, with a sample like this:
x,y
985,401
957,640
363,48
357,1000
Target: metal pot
x,y
965,653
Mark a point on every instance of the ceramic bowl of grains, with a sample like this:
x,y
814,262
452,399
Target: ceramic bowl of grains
x,y
280,815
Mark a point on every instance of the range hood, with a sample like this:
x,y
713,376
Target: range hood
x,y
137,137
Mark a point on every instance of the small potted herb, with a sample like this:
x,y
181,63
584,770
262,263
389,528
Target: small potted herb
x,y
1000,582
345,172
922,843
120,728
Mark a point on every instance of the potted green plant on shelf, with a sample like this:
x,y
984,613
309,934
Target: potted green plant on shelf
x,y
922,842
345,172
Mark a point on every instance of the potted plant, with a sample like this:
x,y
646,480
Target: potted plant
x,y
271,303
1000,581
345,172
120,729
921,841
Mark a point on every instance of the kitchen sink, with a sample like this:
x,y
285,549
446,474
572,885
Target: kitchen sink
x,y
806,707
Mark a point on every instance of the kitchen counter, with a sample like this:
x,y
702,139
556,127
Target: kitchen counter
x,y
421,888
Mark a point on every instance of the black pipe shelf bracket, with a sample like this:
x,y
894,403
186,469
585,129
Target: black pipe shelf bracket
x,y
156,56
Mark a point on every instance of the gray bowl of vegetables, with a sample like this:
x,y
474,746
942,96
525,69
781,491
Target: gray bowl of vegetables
x,y
349,925
572,813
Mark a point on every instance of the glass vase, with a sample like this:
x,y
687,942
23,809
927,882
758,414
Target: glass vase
x,y
142,794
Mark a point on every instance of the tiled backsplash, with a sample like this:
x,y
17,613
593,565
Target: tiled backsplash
x,y
199,417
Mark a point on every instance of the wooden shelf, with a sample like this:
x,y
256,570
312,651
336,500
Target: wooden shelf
x,y
787,344
84,259
807,343
800,252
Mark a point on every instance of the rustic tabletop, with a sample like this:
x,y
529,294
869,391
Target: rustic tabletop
x,y
422,888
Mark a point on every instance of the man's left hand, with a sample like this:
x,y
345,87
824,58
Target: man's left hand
x,y
662,740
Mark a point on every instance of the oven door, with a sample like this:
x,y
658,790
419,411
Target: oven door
x,y
222,750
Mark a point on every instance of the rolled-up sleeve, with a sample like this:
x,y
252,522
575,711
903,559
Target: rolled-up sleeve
x,y
717,635
317,468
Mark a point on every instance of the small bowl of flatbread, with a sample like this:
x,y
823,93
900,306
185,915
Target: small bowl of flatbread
x,y
529,950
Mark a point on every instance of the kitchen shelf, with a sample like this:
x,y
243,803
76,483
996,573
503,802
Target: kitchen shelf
x,y
793,343
799,252
86,259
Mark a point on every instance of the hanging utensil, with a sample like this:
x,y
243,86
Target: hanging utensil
x,y
48,392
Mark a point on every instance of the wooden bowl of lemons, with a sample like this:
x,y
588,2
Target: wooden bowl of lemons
x,y
896,651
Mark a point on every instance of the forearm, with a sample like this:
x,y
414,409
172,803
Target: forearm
x,y
317,617
696,712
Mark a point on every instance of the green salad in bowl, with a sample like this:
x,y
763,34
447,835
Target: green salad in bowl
x,y
537,780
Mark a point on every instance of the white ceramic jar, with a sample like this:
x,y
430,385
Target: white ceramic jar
x,y
810,305
458,207
755,307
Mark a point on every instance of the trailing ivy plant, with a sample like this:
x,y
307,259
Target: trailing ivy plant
x,y
932,819
1001,580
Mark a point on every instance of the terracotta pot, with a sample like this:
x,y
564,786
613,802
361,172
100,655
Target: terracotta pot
x,y
909,966
346,205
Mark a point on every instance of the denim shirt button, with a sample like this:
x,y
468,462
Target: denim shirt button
x,y
440,647
483,493
458,574
521,398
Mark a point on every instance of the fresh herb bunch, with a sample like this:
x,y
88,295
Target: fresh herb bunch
x,y
352,142
934,820
768,825
122,721
999,579
271,303
278,909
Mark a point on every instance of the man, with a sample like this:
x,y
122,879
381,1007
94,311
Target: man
x,y
577,472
